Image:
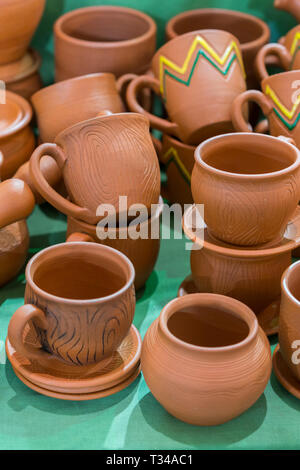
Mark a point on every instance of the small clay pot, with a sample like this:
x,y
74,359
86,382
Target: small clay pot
x,y
249,185
205,359
103,39
292,6
17,140
66,103
81,300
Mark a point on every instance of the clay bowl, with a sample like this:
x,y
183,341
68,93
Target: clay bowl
x,y
205,359
18,22
103,39
142,252
22,77
17,140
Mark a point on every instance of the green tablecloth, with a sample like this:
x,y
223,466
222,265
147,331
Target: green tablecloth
x,y
131,419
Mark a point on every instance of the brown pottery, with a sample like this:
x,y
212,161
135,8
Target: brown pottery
x,y
292,6
103,39
205,359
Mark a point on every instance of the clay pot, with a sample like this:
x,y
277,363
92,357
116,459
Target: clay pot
x,y
81,300
17,140
103,39
251,32
205,359
183,69
18,22
292,6
66,103
142,252
249,185
22,77
89,154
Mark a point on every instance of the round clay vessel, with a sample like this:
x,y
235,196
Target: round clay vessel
x,y
71,101
249,185
197,75
18,22
17,140
81,300
292,6
205,359
103,39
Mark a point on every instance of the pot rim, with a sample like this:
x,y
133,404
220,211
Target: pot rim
x,y
89,246
27,112
285,279
175,141
238,308
270,79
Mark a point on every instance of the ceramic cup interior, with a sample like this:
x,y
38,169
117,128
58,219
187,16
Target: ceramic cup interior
x,y
291,282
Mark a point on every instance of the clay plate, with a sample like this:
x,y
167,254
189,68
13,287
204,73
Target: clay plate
x,y
284,375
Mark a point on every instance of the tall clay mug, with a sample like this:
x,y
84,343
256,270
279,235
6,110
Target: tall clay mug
x,y
197,75
80,298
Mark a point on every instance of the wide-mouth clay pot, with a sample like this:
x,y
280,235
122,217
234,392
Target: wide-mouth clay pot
x,y
17,140
103,39
81,300
205,359
249,185
291,6
142,251
18,22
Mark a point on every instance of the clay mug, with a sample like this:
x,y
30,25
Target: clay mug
x,y
205,359
80,298
292,6
101,159
249,185
198,75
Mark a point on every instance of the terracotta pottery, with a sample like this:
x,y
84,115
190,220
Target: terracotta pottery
x,y
103,39
292,6
17,140
284,374
66,103
249,185
18,22
81,300
205,359
142,252
23,77
198,75
89,153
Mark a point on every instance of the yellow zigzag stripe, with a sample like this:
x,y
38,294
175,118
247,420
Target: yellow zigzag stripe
x,y
202,42
287,113
295,43
173,152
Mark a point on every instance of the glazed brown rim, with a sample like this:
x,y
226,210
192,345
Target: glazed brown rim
x,y
89,246
235,306
245,135
264,38
58,27
284,281
24,120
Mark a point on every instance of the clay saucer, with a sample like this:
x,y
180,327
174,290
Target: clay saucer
x,y
59,377
16,113
284,375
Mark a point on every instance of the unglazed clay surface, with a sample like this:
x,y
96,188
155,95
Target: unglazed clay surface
x,y
14,244
292,6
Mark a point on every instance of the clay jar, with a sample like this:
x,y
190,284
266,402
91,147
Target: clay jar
x,y
80,298
292,6
103,39
198,75
66,103
249,185
17,140
205,359
101,159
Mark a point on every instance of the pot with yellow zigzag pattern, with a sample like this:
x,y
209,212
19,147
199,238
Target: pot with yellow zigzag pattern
x,y
198,75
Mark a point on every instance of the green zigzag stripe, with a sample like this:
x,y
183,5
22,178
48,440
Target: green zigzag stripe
x,y
290,126
173,160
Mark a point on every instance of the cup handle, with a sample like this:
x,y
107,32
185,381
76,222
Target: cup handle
x,y
238,119
123,82
279,51
79,237
16,327
133,91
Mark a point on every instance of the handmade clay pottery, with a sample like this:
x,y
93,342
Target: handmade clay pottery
x,y
103,39
249,185
292,6
81,300
198,75
142,251
18,22
284,374
22,77
89,153
205,359
66,103
252,32
17,140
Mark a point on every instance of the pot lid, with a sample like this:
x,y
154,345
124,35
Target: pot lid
x,y
15,114
22,68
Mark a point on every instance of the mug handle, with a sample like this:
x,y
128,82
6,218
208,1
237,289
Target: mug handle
x,y
123,82
79,237
238,119
52,196
133,90
279,51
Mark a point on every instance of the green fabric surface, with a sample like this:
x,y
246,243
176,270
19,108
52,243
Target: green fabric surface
x,y
131,419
